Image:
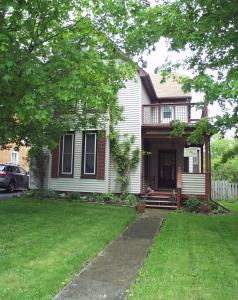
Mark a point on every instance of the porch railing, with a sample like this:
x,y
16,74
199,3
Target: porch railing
x,y
161,114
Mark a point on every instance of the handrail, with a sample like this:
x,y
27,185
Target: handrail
x,y
172,104
158,114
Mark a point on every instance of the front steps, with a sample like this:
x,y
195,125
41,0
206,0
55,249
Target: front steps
x,y
160,200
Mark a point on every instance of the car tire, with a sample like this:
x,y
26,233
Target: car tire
x,y
11,187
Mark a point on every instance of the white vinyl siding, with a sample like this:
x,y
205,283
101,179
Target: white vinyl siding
x,y
193,184
145,99
130,98
77,183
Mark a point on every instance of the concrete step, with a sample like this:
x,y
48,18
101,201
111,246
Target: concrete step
x,y
161,206
162,193
159,201
156,197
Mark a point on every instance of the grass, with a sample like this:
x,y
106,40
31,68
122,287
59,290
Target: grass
x,y
43,244
195,257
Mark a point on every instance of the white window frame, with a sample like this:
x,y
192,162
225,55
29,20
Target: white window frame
x,y
15,162
62,155
167,108
95,152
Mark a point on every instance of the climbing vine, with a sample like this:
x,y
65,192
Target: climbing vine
x,y
125,158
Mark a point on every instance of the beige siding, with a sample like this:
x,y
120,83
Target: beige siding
x,y
5,156
193,184
130,98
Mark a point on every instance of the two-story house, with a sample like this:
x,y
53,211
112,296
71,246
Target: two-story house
x,y
169,168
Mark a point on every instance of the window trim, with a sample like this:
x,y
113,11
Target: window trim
x,y
17,157
89,175
61,160
95,153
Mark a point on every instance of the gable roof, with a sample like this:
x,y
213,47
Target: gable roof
x,y
156,90
168,89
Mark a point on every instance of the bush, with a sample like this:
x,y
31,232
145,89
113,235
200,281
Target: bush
x,y
213,205
192,204
74,196
132,199
107,197
49,194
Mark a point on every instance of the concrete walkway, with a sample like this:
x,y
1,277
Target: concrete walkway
x,y
113,270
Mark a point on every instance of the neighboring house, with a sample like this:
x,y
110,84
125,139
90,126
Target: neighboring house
x,y
169,167
15,157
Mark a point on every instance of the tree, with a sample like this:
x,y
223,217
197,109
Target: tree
x,y
59,61
208,31
224,159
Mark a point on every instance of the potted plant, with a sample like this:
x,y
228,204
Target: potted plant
x,y
140,206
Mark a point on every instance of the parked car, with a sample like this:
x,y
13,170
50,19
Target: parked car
x,y
13,177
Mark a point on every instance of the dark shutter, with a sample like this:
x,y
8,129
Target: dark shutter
x,y
101,155
55,162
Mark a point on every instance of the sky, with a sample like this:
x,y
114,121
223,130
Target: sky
x,y
158,58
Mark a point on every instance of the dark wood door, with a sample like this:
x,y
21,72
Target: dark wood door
x,y
167,169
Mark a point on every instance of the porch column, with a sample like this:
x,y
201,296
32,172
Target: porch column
x,y
207,168
142,167
179,187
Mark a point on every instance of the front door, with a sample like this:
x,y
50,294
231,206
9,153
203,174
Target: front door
x,y
167,169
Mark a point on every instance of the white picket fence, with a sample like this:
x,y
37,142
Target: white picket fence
x,y
223,190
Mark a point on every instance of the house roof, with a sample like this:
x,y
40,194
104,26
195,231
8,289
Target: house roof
x,y
168,89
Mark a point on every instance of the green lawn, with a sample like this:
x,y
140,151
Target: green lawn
x,y
193,257
43,244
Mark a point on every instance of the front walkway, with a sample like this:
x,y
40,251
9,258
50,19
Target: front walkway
x,y
113,270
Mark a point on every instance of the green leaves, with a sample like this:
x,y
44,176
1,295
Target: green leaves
x,y
207,31
55,57
224,158
125,158
202,128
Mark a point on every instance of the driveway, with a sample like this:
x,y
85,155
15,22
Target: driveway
x,y
4,194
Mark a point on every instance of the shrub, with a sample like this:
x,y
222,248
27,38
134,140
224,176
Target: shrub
x,y
107,197
132,199
49,194
192,204
74,196
213,205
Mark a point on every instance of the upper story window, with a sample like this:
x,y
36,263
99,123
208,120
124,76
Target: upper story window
x,y
14,157
66,154
90,153
167,112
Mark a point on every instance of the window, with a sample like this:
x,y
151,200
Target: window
x,y
14,157
90,150
167,112
67,149
195,164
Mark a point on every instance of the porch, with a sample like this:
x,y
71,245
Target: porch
x,y
172,171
